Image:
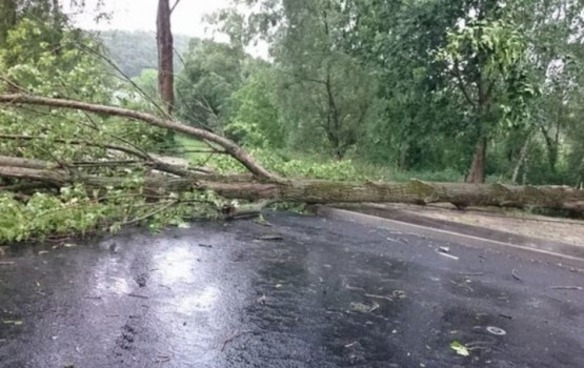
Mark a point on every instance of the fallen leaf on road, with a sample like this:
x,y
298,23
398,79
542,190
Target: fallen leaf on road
x,y
459,348
398,294
11,322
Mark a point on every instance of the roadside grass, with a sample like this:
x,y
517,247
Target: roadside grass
x,y
306,166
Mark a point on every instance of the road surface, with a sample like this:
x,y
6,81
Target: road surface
x,y
305,292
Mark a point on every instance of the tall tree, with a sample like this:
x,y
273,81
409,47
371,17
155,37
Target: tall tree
x,y
8,19
484,55
165,55
326,92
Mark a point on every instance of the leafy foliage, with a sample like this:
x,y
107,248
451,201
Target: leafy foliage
x,y
352,90
51,62
211,74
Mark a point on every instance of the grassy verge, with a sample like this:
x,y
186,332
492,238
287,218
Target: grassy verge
x,y
308,166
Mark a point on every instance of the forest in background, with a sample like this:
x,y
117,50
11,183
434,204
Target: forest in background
x,y
135,51
440,90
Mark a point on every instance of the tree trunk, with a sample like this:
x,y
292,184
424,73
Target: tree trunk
x,y
321,191
552,149
8,19
521,159
165,53
477,169
263,185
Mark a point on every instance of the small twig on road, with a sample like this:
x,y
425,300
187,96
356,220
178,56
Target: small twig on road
x,y
271,237
138,296
471,273
232,337
161,359
566,287
515,275
448,256
373,296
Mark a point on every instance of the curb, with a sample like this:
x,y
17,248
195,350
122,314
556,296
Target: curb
x,y
454,237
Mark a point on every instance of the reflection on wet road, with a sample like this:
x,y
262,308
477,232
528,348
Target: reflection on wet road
x,y
329,294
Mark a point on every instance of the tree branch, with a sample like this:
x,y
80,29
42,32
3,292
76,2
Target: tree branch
x,y
461,85
149,159
174,6
230,147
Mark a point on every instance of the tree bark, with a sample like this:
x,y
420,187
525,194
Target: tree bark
x,y
476,173
521,159
165,54
8,19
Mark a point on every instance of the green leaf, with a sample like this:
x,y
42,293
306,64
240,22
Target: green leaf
x,y
459,348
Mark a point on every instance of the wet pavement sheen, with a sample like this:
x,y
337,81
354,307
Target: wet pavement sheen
x,y
323,293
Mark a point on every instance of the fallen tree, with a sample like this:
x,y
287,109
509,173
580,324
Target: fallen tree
x,y
260,184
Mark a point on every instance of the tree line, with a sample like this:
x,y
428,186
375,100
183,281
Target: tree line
x,y
486,88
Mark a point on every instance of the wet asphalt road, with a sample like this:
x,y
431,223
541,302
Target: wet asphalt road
x,y
328,294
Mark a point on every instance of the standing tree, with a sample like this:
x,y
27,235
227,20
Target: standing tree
x,y
484,55
8,19
324,86
165,54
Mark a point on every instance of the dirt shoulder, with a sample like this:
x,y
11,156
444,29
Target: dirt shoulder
x,y
510,226
516,222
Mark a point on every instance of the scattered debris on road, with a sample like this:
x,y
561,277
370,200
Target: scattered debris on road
x,y
496,331
459,348
448,256
566,287
516,276
271,237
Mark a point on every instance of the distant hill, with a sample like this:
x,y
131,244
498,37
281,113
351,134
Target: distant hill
x,y
133,51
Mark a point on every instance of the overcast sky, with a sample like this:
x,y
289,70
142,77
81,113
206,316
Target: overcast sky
x,y
141,15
